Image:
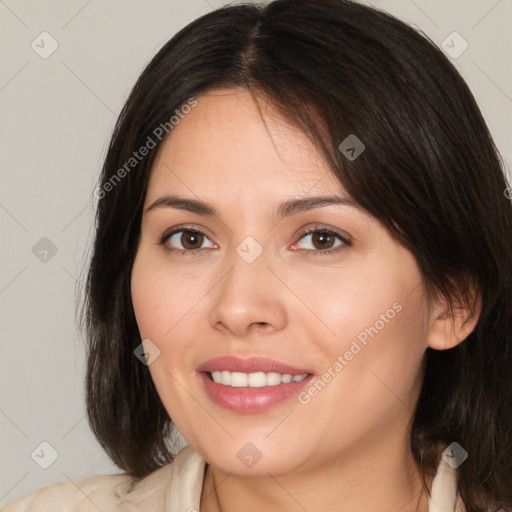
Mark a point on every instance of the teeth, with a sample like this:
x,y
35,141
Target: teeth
x,y
254,380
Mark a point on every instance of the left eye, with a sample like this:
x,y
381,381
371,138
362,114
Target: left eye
x,y
323,240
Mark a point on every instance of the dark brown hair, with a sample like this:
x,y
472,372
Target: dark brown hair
x,y
430,173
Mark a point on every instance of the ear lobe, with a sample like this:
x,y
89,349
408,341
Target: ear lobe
x,y
452,324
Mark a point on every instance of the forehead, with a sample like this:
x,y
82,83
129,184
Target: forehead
x,y
229,141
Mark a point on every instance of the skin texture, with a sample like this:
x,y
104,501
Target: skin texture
x,y
347,448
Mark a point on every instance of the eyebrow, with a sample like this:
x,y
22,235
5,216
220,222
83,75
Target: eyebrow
x,y
285,209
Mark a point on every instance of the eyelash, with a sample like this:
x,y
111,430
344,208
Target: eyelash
x,y
317,229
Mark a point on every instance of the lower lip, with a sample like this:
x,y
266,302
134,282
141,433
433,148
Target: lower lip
x,y
251,400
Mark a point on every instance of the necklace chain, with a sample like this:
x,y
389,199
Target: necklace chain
x,y
216,495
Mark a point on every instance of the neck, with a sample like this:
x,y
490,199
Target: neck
x,y
381,482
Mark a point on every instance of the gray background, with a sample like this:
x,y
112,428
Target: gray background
x,y
56,118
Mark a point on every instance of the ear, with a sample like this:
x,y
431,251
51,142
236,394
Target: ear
x,y
452,324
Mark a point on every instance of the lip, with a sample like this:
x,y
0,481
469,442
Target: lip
x,y
250,400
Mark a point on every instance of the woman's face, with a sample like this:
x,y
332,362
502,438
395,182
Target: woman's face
x,y
351,314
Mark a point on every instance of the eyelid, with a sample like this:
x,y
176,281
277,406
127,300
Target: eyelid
x,y
183,227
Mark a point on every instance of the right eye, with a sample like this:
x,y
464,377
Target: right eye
x,y
187,240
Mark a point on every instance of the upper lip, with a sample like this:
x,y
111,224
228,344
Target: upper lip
x,y
249,365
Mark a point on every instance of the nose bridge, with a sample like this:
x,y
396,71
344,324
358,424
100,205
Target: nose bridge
x,y
247,294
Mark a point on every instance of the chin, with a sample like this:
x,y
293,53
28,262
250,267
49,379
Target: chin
x,y
245,458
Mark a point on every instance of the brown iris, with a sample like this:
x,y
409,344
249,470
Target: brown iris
x,y
324,240
191,240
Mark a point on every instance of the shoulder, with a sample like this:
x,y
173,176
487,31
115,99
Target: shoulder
x,y
108,493
79,495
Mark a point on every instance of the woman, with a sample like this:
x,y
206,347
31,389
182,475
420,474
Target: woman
x,y
302,262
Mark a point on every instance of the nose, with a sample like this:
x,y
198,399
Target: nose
x,y
249,298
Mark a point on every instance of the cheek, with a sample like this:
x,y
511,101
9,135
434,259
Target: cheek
x,y
148,302
377,325
353,302
163,302
372,369
163,306
385,354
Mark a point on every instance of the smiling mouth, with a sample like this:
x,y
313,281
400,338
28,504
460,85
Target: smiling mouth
x,y
253,380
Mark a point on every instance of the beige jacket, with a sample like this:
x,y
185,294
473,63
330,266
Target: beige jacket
x,y
172,488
